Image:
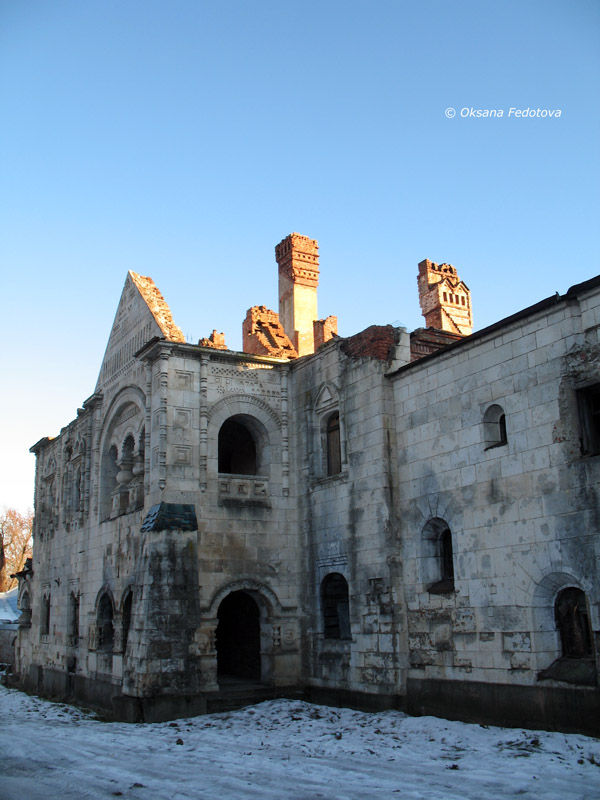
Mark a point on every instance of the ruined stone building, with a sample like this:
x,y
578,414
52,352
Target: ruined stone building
x,y
392,519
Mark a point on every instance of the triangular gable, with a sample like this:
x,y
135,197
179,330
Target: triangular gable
x,y
141,315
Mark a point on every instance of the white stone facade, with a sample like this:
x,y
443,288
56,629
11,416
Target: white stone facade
x,y
360,527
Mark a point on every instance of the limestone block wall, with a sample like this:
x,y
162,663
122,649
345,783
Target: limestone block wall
x,y
247,537
522,512
348,522
86,540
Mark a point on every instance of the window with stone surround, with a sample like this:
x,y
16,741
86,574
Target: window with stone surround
x,y
335,605
334,453
73,617
494,427
45,615
588,404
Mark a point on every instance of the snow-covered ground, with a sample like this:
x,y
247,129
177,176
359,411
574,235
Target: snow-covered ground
x,y
280,750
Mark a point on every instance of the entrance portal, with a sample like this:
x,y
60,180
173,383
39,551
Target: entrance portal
x,y
238,637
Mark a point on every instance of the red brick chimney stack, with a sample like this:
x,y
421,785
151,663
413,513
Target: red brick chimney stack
x,y
298,260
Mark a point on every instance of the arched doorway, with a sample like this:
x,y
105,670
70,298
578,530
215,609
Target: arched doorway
x,y
238,637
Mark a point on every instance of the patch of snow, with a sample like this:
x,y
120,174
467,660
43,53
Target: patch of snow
x,y
284,749
8,605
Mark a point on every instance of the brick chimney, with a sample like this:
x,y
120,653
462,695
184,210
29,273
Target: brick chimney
x,y
298,260
445,300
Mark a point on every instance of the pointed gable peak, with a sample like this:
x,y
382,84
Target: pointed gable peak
x,y
141,315
158,307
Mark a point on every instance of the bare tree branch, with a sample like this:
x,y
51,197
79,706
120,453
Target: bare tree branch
x,y
15,545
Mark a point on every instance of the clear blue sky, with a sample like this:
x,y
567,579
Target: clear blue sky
x,y
184,139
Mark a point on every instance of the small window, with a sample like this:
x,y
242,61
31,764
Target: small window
x,y
45,619
336,607
105,624
588,401
446,556
127,619
437,557
237,449
74,616
494,427
573,623
334,455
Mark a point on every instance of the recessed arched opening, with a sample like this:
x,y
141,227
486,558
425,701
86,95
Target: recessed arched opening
x,y
437,557
238,637
335,606
573,623
106,629
494,427
562,632
110,469
238,453
127,605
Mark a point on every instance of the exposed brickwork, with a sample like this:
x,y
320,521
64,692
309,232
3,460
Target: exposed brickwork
x,y
263,334
424,341
445,300
298,258
378,341
158,306
216,340
324,330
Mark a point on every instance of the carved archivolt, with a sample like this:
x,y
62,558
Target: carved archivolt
x,y
265,595
118,414
242,404
123,454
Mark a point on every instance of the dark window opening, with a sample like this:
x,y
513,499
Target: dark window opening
x,y
106,631
238,637
127,619
128,448
577,664
502,429
334,454
573,624
588,401
45,620
494,426
446,558
336,607
74,615
438,538
237,449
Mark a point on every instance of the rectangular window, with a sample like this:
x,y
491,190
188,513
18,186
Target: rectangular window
x,y
588,402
